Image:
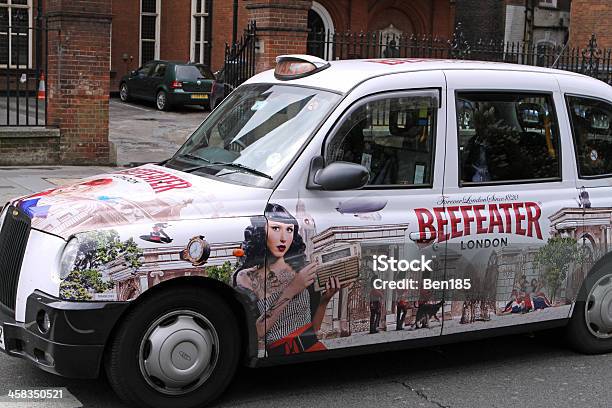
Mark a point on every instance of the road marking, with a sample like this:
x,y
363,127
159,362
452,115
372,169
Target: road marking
x,y
131,106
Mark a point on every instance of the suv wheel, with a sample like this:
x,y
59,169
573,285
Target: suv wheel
x,y
161,101
176,349
590,328
124,93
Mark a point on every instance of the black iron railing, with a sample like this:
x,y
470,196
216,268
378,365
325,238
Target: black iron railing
x,y
239,63
23,69
592,60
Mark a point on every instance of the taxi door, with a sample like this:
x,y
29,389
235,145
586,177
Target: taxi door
x,y
364,242
509,181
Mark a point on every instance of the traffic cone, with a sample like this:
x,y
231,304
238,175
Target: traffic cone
x,y
42,93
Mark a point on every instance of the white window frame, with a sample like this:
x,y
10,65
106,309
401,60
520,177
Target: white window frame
x,y
9,5
203,19
328,26
157,16
548,3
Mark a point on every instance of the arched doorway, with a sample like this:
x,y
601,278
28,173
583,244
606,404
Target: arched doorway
x,y
321,30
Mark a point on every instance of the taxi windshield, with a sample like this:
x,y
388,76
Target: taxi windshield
x,y
255,133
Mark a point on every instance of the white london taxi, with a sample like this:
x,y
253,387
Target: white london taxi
x,y
324,208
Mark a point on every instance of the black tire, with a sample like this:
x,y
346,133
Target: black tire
x,y
581,337
161,101
124,93
124,364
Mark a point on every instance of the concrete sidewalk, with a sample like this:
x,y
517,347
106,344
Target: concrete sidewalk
x,y
20,181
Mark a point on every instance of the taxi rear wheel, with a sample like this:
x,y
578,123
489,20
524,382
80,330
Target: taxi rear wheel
x,y
590,328
180,348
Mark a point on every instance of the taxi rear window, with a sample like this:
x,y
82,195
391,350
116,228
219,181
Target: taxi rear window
x,y
592,131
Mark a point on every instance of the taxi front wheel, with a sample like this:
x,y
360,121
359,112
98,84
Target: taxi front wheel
x,y
590,328
180,348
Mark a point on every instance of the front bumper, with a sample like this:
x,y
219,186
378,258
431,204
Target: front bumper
x,y
74,344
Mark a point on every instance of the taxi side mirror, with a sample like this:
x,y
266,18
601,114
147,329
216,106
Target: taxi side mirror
x,y
336,176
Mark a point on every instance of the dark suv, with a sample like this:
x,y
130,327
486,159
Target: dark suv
x,y
170,83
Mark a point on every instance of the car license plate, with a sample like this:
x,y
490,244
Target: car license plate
x,y
199,96
2,346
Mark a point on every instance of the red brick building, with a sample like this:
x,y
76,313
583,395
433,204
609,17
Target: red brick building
x,y
591,17
86,46
198,30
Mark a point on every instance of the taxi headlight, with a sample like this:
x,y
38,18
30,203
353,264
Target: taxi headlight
x,y
68,258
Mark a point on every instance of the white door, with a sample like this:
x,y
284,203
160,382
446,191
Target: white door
x,y
509,177
353,234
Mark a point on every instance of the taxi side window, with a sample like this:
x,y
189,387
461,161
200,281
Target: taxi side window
x,y
392,137
507,138
592,130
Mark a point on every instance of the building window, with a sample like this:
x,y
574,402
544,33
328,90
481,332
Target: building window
x,y
201,31
149,30
15,33
548,3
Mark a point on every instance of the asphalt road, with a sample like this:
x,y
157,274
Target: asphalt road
x,y
515,371
142,134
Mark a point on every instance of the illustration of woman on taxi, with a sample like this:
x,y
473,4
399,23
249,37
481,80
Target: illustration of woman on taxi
x,y
290,311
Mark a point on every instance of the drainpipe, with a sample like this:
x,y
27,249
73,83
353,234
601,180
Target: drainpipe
x,y
235,23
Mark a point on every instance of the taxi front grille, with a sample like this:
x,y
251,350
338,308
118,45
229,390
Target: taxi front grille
x,y
13,240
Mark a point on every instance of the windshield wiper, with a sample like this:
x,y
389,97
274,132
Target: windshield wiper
x,y
194,157
226,164
245,168
198,158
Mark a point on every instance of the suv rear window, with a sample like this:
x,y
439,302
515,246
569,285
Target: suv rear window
x,y
592,130
506,138
191,73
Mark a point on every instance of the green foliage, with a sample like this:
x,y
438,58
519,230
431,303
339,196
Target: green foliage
x,y
77,283
97,249
556,257
101,247
221,272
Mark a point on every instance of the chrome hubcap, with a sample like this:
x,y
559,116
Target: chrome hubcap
x,y
598,310
161,100
178,352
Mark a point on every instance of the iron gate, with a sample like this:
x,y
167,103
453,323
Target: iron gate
x,y
239,63
23,65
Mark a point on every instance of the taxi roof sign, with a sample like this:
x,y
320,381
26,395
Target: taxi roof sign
x,y
298,66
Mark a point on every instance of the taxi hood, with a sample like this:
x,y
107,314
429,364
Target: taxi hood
x,y
149,193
